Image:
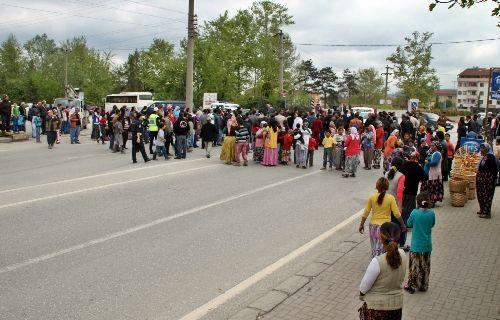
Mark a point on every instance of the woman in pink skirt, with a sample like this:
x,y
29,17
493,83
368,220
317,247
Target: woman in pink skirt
x,y
271,144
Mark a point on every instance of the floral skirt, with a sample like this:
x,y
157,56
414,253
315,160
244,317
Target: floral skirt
x,y
485,184
258,154
420,267
351,164
375,240
377,156
371,314
270,157
434,189
228,148
286,156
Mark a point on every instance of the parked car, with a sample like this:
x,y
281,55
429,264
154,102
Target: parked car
x,y
431,120
166,104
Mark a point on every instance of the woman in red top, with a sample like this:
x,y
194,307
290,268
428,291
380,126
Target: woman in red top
x,y
352,150
316,128
379,144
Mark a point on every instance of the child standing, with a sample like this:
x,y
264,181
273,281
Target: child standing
x,y
422,220
328,150
161,150
310,150
37,127
286,148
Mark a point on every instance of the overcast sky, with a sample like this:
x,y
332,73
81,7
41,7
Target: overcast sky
x,y
123,25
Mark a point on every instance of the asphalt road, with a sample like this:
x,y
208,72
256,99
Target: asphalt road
x,y
86,234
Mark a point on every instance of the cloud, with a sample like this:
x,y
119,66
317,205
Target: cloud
x,y
122,25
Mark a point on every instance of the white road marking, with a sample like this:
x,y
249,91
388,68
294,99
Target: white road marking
x,y
151,224
262,274
102,187
4,150
100,175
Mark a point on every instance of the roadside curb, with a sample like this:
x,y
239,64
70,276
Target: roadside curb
x,y
290,286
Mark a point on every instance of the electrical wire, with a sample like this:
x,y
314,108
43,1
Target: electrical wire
x,y
71,14
393,45
156,7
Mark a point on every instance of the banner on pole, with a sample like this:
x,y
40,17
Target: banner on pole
x,y
495,86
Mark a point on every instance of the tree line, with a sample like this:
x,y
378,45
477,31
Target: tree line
x,y
237,56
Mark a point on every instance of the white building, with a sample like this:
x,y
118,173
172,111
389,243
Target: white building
x,y
472,89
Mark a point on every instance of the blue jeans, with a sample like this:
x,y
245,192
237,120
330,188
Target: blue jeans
x,y
74,133
161,151
181,146
219,137
15,126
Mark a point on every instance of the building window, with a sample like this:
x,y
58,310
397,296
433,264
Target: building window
x,y
481,84
481,102
498,102
472,101
459,92
460,100
473,93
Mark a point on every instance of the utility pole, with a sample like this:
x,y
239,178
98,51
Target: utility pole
x,y
386,73
280,34
190,56
66,50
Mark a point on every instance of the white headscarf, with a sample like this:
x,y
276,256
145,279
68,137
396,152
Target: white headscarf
x,y
354,133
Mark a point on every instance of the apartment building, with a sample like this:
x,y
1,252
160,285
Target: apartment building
x,y
473,88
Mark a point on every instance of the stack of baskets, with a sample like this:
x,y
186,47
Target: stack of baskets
x,y
463,177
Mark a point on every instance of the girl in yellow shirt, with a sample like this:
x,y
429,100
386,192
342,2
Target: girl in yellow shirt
x,y
380,205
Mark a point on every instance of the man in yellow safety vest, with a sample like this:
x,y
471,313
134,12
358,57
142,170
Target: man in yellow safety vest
x,y
153,126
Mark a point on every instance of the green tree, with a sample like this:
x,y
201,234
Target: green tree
x,y
12,66
325,82
348,84
467,4
412,67
370,85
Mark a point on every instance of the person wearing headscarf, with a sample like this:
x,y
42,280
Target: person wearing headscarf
x,y
271,144
390,145
301,145
338,149
258,152
487,172
379,143
228,146
367,145
434,184
352,151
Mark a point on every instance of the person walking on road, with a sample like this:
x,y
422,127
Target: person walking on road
x,y
181,131
271,144
381,288
52,126
208,135
352,151
5,113
118,133
76,122
160,143
421,220
242,136
486,180
137,139
153,126
432,168
327,150
258,152
380,205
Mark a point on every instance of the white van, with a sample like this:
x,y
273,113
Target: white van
x,y
224,105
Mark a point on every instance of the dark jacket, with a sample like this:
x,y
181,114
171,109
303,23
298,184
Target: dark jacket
x,y
181,127
209,132
488,165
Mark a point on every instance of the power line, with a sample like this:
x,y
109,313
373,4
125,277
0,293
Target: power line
x,y
70,14
157,7
128,11
393,45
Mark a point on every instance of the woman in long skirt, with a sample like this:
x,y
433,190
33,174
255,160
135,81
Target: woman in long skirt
x,y
352,151
485,181
380,205
434,185
271,145
258,152
228,147
338,148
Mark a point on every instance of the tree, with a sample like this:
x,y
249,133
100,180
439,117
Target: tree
x,y
467,4
412,67
12,66
325,82
349,85
370,85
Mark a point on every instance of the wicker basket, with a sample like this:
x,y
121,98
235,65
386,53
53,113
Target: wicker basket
x,y
471,194
472,184
458,186
458,199
470,176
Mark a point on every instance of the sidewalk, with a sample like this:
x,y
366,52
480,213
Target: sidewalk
x,y
464,283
